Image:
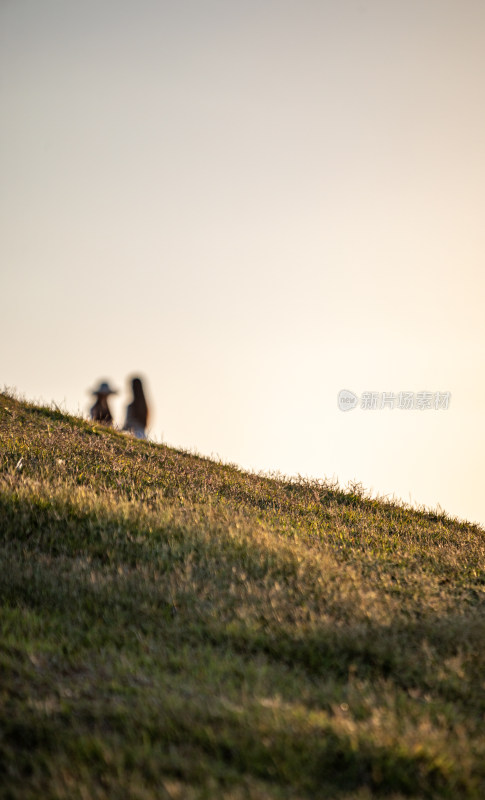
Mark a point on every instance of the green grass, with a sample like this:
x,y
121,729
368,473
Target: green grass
x,y
172,627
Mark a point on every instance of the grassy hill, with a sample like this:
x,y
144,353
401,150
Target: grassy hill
x,y
174,628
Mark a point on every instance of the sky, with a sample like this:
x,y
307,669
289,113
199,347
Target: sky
x,y
254,205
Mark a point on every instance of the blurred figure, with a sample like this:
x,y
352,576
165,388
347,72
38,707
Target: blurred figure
x,y
137,411
100,411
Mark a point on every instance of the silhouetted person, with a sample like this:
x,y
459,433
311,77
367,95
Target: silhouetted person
x,y
100,411
137,411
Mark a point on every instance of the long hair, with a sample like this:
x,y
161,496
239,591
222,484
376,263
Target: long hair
x,y
139,405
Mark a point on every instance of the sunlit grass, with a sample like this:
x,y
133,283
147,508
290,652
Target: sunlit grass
x,y
174,627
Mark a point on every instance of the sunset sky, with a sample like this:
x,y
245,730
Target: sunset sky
x,y
254,205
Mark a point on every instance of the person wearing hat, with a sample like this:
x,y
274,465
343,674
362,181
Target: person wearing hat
x,y
100,411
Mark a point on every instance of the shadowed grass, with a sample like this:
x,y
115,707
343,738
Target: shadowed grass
x,y
174,627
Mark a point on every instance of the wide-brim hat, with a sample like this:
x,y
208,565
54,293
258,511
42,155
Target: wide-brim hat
x,y
104,388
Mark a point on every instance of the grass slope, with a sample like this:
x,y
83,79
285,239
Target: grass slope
x,y
174,628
